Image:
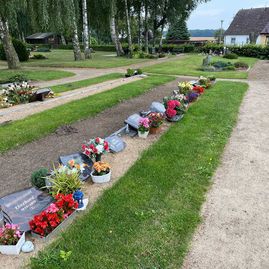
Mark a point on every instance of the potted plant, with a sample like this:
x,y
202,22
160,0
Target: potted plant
x,y
11,239
143,129
198,89
55,215
101,172
95,148
156,120
63,180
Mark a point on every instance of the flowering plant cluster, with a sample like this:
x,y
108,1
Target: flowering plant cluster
x,y
16,94
185,87
96,146
205,82
155,119
173,108
44,223
10,234
101,168
144,125
198,89
74,165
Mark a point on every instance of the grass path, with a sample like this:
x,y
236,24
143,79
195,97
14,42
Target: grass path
x,y
39,125
147,219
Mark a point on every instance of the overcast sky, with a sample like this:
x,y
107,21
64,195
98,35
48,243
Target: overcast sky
x,y
209,15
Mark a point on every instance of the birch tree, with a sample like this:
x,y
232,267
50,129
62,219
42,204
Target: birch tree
x,y
129,34
87,52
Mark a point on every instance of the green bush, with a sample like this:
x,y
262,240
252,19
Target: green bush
x,y
20,48
221,64
39,57
130,72
38,178
241,65
162,55
139,71
230,56
184,48
229,68
18,78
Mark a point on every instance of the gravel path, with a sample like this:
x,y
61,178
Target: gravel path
x,y
235,229
24,110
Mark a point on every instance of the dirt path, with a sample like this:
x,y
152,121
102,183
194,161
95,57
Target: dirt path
x,y
235,229
85,73
24,110
18,164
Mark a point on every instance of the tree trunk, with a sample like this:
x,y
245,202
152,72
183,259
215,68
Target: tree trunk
x,y
63,39
76,46
87,51
113,29
139,29
130,45
161,40
11,54
146,33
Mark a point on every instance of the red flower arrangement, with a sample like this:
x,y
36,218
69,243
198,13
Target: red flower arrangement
x,y
173,107
44,223
198,89
96,146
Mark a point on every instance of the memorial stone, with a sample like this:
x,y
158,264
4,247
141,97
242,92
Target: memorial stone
x,y
116,144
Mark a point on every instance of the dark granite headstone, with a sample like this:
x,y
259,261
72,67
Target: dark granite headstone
x,y
41,94
20,207
157,107
116,144
81,159
133,121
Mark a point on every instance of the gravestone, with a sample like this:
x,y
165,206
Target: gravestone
x,y
116,144
81,159
20,207
157,107
207,60
41,94
133,121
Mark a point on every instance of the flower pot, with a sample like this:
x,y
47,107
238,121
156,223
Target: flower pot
x,y
155,130
175,118
13,249
143,135
101,179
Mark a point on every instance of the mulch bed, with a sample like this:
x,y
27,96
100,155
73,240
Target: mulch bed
x,y
17,165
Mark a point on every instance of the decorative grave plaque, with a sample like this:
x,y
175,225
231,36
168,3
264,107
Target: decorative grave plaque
x,y
133,121
81,159
41,94
20,207
157,107
116,144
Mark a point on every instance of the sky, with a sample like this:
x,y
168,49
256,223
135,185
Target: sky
x,y
208,15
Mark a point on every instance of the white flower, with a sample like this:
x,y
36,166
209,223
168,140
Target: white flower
x,y
100,148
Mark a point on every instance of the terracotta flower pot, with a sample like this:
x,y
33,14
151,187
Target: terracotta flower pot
x,y
154,130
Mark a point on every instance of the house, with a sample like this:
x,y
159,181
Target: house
x,y
249,26
44,38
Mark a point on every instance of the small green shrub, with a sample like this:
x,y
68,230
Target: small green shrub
x,y
130,72
221,64
208,68
139,71
241,65
38,178
162,55
39,57
43,49
230,56
229,68
18,78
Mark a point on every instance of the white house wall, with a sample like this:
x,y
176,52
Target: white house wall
x,y
239,39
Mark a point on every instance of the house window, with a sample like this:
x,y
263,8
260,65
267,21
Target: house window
x,y
233,40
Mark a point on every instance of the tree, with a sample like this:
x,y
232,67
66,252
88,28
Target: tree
x,y
87,52
8,18
130,45
178,31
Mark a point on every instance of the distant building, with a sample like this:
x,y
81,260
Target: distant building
x,y
44,38
249,26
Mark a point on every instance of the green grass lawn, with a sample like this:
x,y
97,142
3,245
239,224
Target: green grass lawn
x,y
148,218
34,75
84,83
191,63
38,125
65,58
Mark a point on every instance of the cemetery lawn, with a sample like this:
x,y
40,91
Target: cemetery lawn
x,y
34,75
84,83
65,58
41,124
190,66
147,219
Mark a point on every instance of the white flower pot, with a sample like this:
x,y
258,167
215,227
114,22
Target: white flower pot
x,y
13,250
101,179
143,135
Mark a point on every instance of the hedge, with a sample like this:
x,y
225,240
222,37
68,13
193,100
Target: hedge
x,y
256,51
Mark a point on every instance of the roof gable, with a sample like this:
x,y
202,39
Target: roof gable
x,y
249,21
